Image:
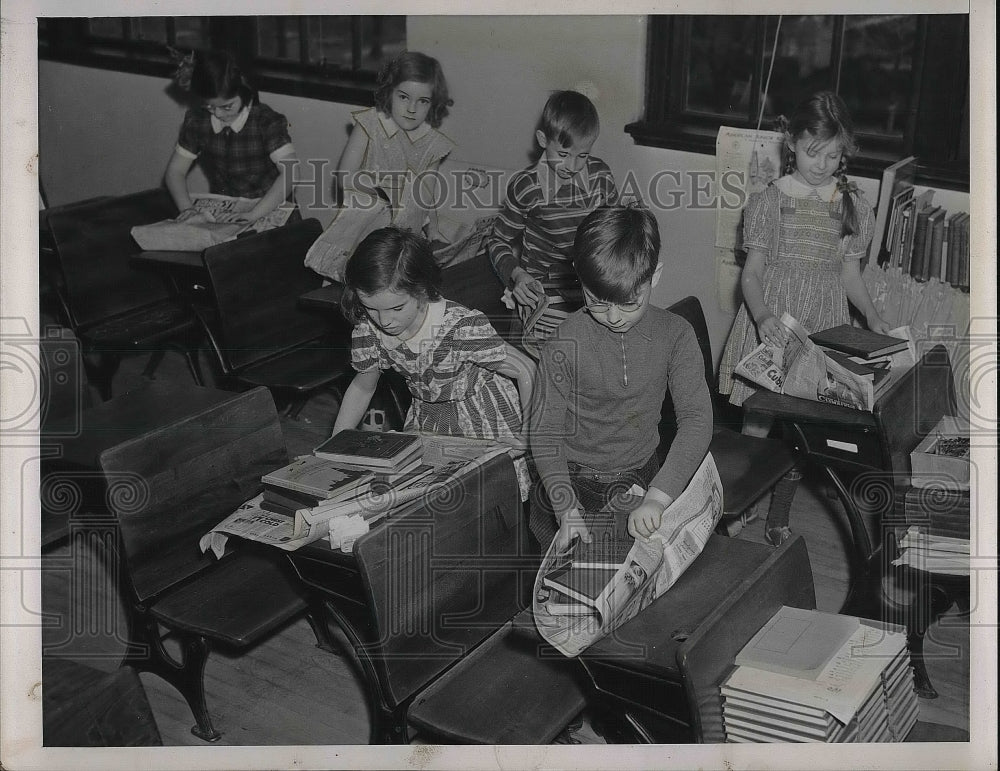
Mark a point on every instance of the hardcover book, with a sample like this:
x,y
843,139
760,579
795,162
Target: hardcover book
x,y
370,449
315,477
855,341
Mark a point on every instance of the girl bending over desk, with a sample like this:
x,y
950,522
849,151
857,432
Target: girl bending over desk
x,y
460,373
242,145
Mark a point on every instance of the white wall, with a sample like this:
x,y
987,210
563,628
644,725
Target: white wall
x,y
111,133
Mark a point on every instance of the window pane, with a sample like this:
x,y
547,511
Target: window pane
x,y
801,61
721,65
147,28
278,37
382,38
191,32
106,28
877,71
330,41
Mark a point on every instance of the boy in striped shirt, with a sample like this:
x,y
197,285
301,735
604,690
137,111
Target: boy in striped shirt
x,y
531,242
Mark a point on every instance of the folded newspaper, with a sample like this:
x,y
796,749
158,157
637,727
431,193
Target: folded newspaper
x,y
343,521
220,221
800,368
650,569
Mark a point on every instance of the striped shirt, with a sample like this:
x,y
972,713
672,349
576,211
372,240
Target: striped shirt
x,y
535,228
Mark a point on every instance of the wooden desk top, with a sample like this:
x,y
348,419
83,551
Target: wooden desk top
x,y
152,405
165,259
325,298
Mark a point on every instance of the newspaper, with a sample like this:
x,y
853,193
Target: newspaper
x,y
345,520
651,568
800,368
221,221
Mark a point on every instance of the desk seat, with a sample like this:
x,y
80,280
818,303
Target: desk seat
x,y
535,690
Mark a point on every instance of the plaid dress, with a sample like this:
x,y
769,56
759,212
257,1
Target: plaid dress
x,y
236,163
455,389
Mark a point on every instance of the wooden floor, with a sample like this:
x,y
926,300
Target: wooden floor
x,y
286,691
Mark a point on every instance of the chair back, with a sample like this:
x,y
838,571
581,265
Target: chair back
x,y
690,310
257,282
170,486
442,576
93,243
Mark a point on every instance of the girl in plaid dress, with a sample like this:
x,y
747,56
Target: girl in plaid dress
x,y
242,146
464,380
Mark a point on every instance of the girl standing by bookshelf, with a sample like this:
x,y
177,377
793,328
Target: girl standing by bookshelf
x,y
459,372
805,236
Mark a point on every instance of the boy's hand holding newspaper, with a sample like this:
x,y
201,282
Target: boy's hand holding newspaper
x,y
646,518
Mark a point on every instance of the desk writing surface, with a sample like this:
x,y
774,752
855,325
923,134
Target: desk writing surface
x,y
168,259
151,405
434,579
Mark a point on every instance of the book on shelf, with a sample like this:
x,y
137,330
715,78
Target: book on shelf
x,y
859,342
954,262
922,206
895,179
903,230
964,255
312,478
386,450
921,242
935,241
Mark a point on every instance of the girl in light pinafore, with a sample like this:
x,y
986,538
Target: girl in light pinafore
x,y
388,168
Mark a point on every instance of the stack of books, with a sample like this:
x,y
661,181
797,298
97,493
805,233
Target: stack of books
x,y
940,511
809,676
860,343
309,481
579,581
932,553
878,373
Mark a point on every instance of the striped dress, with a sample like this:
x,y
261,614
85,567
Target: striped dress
x,y
535,228
449,367
799,228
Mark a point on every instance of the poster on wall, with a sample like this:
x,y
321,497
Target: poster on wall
x,y
746,160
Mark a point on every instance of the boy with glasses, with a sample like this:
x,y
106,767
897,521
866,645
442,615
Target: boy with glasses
x,y
601,384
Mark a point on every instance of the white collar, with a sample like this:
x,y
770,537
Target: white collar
x,y
791,187
433,319
390,127
237,125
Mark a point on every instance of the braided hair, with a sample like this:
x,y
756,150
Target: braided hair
x,y
824,116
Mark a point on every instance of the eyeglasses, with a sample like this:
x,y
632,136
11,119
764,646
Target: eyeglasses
x,y
594,306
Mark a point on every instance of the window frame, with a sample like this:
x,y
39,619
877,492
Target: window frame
x,y
69,40
940,90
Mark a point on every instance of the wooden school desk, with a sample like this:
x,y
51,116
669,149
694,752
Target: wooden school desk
x,y
437,579
866,457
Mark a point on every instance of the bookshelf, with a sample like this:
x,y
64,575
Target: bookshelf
x,y
919,266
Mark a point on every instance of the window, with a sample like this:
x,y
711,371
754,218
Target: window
x,y
326,57
905,79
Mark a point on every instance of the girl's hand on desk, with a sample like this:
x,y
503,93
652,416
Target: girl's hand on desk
x,y
570,527
877,324
771,331
192,215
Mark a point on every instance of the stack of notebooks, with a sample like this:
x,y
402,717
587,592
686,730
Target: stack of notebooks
x,y
940,511
932,553
809,676
308,482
